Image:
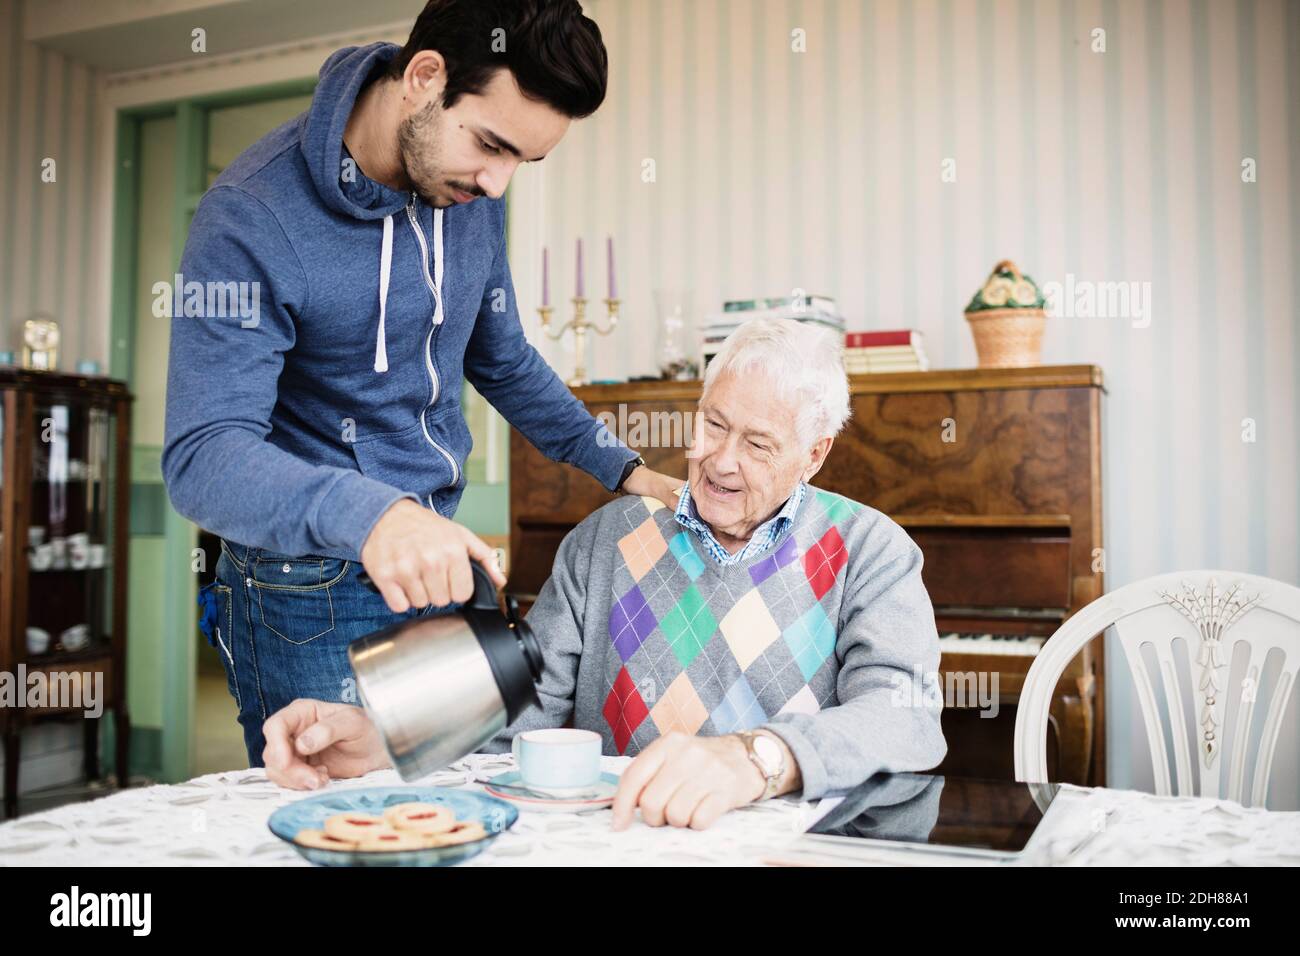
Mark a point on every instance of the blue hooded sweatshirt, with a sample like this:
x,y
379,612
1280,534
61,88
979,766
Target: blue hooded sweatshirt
x,y
333,390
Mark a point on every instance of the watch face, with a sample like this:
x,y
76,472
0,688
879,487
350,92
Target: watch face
x,y
768,751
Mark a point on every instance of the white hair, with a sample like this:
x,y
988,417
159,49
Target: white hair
x,y
803,363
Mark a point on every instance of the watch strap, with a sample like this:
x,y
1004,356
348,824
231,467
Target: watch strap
x,y
632,465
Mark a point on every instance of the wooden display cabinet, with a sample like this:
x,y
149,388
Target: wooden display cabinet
x,y
64,497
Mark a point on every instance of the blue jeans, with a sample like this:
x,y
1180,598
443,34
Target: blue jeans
x,y
282,625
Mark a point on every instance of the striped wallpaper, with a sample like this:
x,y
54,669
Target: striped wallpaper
x,y
47,110
822,170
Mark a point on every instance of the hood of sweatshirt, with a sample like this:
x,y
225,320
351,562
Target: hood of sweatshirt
x,y
341,78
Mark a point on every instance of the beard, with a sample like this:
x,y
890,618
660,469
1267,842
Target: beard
x,y
417,143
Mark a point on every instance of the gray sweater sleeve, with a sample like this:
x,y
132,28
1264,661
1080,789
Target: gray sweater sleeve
x,y
556,620
886,644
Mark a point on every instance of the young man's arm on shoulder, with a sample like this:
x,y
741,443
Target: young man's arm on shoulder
x,y
222,377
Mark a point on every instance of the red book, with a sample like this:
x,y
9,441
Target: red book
x,y
858,340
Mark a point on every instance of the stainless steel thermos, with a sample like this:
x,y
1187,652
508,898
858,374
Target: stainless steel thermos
x,y
441,687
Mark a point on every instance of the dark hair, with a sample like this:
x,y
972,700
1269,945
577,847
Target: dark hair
x,y
555,53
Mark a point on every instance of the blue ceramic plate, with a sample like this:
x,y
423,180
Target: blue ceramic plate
x,y
311,813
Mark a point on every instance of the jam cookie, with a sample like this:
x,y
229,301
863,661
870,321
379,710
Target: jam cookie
x,y
466,832
420,817
321,840
355,827
393,840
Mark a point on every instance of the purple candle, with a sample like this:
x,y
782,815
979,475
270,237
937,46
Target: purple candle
x,y
546,278
579,292
609,254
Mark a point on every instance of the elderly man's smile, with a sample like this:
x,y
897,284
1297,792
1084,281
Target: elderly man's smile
x,y
720,491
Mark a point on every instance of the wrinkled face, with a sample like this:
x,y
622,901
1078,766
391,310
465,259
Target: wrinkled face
x,y
747,457
472,149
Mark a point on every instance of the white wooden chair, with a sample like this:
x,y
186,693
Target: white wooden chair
x,y
1197,643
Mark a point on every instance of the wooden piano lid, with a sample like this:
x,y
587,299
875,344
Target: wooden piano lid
x,y
940,380
990,561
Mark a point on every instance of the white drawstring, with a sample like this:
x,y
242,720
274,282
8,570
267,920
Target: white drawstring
x,y
437,264
385,267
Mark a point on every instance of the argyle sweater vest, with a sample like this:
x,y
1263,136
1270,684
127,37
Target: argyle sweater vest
x,y
705,649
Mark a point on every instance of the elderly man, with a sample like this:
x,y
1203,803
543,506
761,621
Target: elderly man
x,y
763,638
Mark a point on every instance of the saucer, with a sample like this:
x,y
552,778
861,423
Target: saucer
x,y
555,801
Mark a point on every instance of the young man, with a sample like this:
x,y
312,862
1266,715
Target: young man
x,y
322,424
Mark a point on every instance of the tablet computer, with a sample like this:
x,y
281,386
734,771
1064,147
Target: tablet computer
x,y
988,820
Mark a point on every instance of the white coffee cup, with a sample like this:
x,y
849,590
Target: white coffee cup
x,y
35,536
95,554
557,759
58,553
40,557
76,637
38,640
79,550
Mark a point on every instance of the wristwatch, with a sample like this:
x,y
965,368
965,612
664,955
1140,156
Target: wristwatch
x,y
630,467
768,757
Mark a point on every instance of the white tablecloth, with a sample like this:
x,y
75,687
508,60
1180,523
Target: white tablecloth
x,y
220,819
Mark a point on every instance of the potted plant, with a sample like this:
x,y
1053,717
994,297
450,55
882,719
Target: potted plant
x,y
1007,316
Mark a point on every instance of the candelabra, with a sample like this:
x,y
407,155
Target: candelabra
x,y
580,325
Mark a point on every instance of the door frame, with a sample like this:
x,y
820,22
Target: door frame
x,y
180,536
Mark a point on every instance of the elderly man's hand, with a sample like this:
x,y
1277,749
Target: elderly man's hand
x,y
311,741
687,781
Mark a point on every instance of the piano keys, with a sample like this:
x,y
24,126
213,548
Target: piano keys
x,y
997,645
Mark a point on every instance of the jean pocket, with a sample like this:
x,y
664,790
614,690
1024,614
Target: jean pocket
x,y
224,637
294,599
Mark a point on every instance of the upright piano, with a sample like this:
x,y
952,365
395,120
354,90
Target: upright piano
x,y
995,473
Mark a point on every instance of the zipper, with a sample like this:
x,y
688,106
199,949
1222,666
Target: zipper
x,y
428,341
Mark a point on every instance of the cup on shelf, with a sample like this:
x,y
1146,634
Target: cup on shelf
x,y
38,640
35,536
95,555
79,550
41,557
58,553
75,638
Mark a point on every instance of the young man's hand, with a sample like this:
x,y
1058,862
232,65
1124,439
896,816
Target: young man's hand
x,y
311,741
653,484
418,558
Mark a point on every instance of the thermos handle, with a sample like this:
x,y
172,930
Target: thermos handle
x,y
485,591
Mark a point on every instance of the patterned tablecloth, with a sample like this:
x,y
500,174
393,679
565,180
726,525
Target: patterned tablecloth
x,y
220,819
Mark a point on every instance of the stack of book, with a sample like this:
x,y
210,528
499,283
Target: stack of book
x,y
866,353
819,310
